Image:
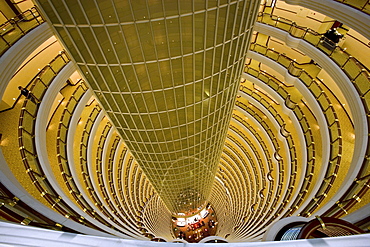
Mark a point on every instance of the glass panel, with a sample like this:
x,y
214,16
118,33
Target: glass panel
x,y
352,68
330,116
38,89
335,148
28,142
62,151
312,38
309,138
11,32
272,54
263,77
285,25
63,133
334,131
46,75
304,126
58,63
285,61
31,108
260,49
253,72
298,113
362,83
32,161
315,89
28,122
268,20
306,78
78,93
273,84
339,57
298,32
71,106
366,98
324,102
66,117
3,45
282,92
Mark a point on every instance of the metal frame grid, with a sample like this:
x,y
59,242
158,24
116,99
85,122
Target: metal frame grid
x,y
167,73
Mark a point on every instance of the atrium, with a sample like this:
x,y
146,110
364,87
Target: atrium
x,y
220,121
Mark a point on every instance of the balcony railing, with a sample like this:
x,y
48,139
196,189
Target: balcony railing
x,y
308,135
334,128
27,139
363,5
62,141
14,29
283,91
354,69
281,177
360,77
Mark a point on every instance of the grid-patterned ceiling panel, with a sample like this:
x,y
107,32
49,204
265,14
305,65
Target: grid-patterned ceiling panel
x,y
167,73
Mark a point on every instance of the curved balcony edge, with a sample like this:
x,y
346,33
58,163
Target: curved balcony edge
x,y
340,12
359,116
15,56
13,234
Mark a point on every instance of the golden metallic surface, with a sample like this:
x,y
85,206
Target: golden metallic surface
x,y
167,74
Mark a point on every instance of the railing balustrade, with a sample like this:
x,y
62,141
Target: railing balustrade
x,y
354,69
331,119
360,77
62,157
364,6
276,146
26,132
306,130
14,29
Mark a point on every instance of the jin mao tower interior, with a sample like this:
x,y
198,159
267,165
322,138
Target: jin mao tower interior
x,y
186,121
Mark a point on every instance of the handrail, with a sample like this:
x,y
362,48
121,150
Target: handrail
x,y
96,198
99,172
276,146
307,134
15,28
339,55
364,7
246,171
26,132
308,138
123,177
62,148
319,196
111,183
22,213
62,157
294,68
360,77
261,170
